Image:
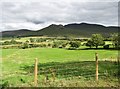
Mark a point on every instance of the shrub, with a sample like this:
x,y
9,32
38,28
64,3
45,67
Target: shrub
x,y
5,85
106,46
13,41
54,46
74,44
25,45
64,45
32,40
6,43
49,45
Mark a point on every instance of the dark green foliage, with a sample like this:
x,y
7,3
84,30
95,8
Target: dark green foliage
x,y
55,45
83,39
59,44
40,40
43,45
6,43
97,40
74,44
25,45
107,39
116,40
89,43
106,46
36,45
11,42
49,45
32,40
5,85
64,45
27,41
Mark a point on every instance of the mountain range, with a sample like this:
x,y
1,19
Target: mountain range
x,y
73,29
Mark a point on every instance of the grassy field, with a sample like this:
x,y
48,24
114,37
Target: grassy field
x,y
72,68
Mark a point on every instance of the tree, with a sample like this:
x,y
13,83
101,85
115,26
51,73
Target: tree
x,y
74,44
116,40
97,40
89,43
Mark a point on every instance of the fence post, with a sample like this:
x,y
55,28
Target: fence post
x,y
96,58
35,71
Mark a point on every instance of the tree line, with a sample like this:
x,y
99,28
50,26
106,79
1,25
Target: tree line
x,y
96,40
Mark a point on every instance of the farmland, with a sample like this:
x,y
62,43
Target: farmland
x,y
72,68
59,44
62,61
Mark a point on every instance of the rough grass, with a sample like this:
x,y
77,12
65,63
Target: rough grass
x,y
72,68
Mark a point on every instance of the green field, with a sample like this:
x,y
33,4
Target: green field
x,y
74,68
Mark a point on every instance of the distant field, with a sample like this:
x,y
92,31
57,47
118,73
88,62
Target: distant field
x,y
72,67
23,39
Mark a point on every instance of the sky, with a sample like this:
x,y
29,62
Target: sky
x,y
37,14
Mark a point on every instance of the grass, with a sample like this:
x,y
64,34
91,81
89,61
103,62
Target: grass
x,y
71,67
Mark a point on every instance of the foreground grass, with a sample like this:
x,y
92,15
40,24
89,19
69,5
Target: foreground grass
x,y
71,67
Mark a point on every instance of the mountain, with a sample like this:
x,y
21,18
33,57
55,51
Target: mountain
x,y
74,29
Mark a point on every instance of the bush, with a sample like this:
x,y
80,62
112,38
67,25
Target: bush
x,y
11,42
6,43
5,85
24,46
74,44
32,40
54,46
49,45
37,45
64,45
106,46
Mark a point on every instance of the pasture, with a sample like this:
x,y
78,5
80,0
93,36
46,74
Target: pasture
x,y
72,68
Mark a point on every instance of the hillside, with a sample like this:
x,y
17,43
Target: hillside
x,y
78,30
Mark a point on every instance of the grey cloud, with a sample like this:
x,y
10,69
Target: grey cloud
x,y
43,13
35,21
94,12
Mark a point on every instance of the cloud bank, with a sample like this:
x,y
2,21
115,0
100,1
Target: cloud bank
x,y
37,14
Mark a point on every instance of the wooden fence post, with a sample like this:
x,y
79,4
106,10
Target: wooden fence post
x,y
35,72
96,58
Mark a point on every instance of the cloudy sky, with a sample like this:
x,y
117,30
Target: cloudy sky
x,y
37,14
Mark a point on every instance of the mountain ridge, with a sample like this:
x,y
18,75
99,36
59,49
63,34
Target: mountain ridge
x,y
72,29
